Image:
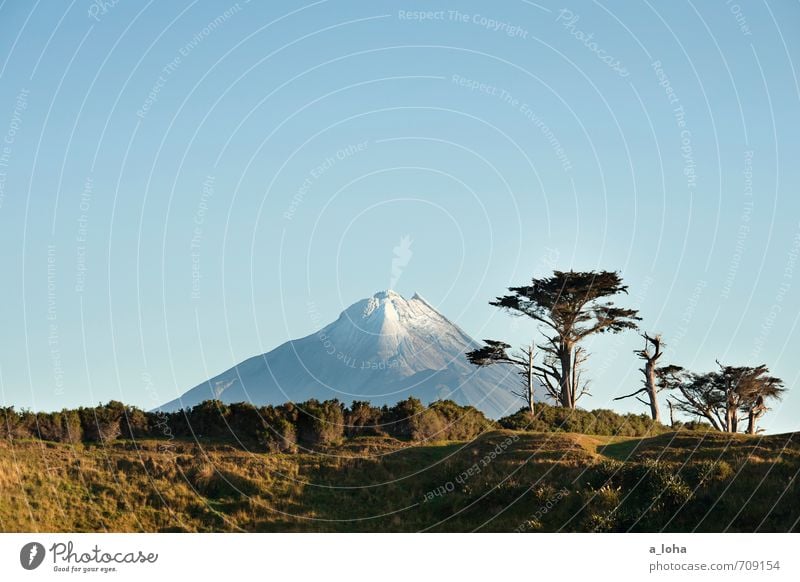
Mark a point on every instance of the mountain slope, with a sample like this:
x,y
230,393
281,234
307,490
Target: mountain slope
x,y
382,349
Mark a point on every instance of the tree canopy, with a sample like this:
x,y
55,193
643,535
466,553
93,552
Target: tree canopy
x,y
569,306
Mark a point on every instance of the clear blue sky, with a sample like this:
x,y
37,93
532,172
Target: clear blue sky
x,y
182,185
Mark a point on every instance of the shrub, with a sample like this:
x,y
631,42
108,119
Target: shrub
x,y
695,425
278,434
659,482
706,471
599,422
245,422
320,423
426,425
363,419
460,422
209,419
102,423
603,473
399,420
64,426
48,426
9,422
601,506
653,492
134,424
71,430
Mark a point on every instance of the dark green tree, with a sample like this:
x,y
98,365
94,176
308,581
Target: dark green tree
x,y
722,395
363,419
103,422
754,404
569,306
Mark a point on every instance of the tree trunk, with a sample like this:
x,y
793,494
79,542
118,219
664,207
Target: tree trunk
x,y
730,412
756,411
530,381
652,390
731,421
567,394
731,408
717,425
752,419
751,422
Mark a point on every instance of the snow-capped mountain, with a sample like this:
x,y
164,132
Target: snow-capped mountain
x,y
382,349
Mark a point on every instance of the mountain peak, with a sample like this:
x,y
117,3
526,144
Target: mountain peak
x,y
383,348
393,307
394,296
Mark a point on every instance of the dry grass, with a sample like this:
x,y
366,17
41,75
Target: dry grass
x,y
381,484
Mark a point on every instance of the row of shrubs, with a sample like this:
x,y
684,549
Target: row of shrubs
x,y
282,428
290,426
599,422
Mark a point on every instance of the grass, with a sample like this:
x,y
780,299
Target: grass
x,y
503,481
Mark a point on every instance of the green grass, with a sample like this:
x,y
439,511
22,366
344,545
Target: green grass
x,y
622,449
682,481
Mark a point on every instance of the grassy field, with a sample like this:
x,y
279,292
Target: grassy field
x,y
502,481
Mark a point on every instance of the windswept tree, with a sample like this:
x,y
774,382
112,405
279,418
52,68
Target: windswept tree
x,y
650,353
494,352
696,395
721,396
756,390
569,306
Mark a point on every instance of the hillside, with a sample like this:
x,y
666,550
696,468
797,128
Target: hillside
x,y
502,481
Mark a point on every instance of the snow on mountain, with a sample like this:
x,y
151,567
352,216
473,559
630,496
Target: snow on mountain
x,y
382,349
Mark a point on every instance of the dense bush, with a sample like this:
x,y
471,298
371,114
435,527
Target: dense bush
x,y
209,419
460,422
363,419
599,422
278,435
102,423
694,425
654,491
320,423
402,420
245,421
307,425
64,426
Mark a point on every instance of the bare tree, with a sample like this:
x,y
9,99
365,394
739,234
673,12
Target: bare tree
x,y
650,353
